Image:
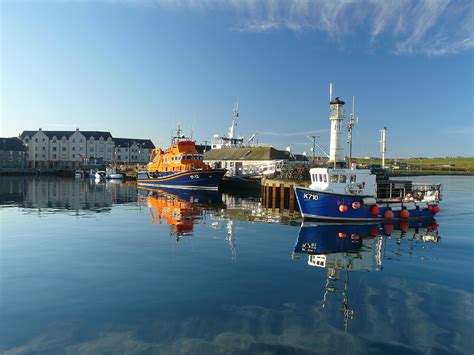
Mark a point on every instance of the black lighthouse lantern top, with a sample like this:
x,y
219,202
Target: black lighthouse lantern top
x,y
336,101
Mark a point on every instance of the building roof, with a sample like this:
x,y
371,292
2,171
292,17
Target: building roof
x,y
11,144
300,157
247,153
201,148
95,134
123,142
67,134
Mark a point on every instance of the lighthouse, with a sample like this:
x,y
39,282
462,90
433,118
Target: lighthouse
x,y
336,116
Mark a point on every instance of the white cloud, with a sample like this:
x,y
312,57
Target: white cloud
x,y
430,27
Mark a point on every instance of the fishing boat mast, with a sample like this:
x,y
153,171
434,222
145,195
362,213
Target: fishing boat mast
x,y
350,125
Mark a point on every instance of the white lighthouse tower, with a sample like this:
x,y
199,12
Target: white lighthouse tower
x,y
336,116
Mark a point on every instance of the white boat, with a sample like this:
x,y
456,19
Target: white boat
x,y
111,173
98,176
79,174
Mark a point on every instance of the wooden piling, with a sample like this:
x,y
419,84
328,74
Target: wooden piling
x,y
267,196
282,198
292,200
273,197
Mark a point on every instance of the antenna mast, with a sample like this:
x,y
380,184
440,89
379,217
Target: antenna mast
x,y
350,125
383,144
235,116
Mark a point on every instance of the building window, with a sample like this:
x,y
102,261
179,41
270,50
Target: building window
x,y
36,140
36,155
74,155
74,148
54,149
64,149
54,156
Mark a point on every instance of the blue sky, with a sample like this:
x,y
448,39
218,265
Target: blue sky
x,y
137,68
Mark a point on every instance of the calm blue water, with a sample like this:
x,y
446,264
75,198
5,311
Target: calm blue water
x,y
89,269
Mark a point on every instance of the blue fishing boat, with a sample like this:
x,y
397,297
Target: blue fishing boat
x,y
357,193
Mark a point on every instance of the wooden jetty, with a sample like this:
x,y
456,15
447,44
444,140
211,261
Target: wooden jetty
x,y
278,196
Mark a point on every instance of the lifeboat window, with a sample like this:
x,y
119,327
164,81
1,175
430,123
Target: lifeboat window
x,y
342,179
188,156
353,178
325,178
195,157
333,178
315,177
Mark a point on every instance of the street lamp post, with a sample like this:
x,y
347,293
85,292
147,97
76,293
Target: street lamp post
x,y
128,148
140,147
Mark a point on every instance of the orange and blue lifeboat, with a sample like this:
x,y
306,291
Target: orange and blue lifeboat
x,y
180,166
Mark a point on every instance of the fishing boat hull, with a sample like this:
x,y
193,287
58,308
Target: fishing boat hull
x,y
318,205
205,179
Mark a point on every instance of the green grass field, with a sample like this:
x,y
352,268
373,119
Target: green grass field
x,y
428,165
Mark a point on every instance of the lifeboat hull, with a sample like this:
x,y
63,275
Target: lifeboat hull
x,y
205,179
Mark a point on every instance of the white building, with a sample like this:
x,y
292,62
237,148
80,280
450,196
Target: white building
x,y
72,149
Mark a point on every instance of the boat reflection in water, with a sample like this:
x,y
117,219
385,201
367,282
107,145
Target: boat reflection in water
x,y
342,248
179,208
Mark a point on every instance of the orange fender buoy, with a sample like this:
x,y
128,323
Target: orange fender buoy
x,y
436,209
341,235
374,210
404,214
343,208
388,214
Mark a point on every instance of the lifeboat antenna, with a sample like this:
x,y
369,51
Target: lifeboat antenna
x,y
353,119
330,92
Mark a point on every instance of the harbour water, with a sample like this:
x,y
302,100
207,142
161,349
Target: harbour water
x,y
103,268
